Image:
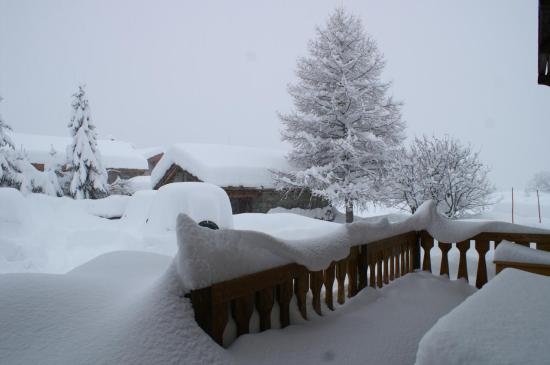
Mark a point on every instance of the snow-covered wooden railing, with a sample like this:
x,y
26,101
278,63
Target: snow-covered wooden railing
x,y
374,264
482,245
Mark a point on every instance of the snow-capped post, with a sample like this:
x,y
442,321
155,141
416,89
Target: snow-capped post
x,y
88,176
538,206
343,126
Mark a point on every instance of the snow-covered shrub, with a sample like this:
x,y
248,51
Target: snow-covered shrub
x,y
344,125
440,169
88,176
121,187
540,181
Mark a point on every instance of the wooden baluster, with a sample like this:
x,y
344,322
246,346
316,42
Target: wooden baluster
x,y
427,244
444,247
241,309
363,267
372,264
264,304
407,258
211,317
482,246
284,295
391,256
385,259
341,267
396,257
463,263
300,289
352,271
379,269
402,255
329,284
315,282
410,251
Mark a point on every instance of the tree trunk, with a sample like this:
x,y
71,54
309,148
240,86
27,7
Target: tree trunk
x,y
349,211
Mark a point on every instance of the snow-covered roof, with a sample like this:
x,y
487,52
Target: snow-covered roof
x,y
114,153
223,165
149,152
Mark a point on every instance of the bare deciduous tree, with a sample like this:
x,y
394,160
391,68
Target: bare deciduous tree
x,y
443,170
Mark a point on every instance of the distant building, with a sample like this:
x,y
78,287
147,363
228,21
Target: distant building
x,y
120,158
153,155
243,172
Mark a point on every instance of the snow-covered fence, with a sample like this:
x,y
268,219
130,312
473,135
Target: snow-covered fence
x,y
482,245
377,264
374,264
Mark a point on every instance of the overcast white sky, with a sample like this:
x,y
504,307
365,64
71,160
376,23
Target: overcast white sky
x,y
160,72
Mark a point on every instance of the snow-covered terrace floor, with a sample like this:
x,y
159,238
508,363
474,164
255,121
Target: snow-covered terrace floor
x,y
378,326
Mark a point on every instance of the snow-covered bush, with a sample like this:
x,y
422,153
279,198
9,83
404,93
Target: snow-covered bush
x,y
440,169
344,125
121,187
88,176
540,181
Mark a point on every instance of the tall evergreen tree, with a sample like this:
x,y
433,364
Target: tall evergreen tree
x,y
89,177
343,126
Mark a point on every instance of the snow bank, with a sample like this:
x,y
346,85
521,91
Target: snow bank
x,y
206,256
110,207
120,308
223,165
201,201
140,183
326,213
508,251
506,322
377,326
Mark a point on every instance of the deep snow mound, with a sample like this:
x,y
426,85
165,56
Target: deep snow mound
x,y
120,308
200,201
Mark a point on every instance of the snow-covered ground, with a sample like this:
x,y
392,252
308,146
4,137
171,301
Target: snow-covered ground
x,y
107,292
54,235
375,327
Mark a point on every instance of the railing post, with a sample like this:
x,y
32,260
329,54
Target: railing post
x,y
416,252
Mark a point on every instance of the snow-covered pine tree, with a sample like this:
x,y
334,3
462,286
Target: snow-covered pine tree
x,y
88,176
343,126
15,169
51,170
7,167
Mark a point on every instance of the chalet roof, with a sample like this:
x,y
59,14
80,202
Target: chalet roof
x,y
114,153
149,152
223,165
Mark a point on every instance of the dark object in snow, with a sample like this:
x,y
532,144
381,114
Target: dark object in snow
x,y
544,42
209,224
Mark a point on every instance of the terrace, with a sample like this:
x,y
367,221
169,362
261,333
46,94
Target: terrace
x,y
372,306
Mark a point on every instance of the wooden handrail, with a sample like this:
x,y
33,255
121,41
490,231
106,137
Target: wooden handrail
x,y
374,264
